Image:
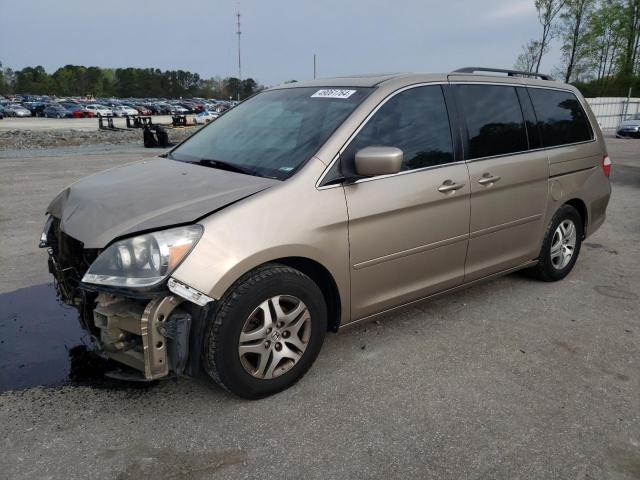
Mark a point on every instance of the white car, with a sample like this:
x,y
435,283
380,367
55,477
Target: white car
x,y
178,110
100,110
124,110
205,116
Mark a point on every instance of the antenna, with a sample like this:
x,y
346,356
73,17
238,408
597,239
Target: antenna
x,y
238,32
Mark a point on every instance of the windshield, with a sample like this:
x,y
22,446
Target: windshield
x,y
634,117
275,132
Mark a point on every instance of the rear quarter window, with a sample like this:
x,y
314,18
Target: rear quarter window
x,y
561,118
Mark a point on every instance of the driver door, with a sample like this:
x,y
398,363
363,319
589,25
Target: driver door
x,y
408,232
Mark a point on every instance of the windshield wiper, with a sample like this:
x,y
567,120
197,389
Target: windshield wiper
x,y
232,167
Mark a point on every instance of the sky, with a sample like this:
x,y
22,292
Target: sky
x,y
279,37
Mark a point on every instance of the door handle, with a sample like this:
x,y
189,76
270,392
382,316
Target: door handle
x,y
488,179
449,186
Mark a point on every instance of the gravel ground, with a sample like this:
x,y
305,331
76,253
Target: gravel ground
x,y
513,379
23,139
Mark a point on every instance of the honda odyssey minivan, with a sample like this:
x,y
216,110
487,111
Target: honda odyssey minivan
x,y
315,205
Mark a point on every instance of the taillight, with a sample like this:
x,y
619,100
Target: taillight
x,y
606,166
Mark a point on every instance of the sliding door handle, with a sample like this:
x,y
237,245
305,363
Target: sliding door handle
x,y
488,179
449,186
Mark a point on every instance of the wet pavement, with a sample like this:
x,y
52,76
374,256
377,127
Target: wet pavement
x,y
43,344
37,334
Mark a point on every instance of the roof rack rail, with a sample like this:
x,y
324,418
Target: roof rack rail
x,y
510,73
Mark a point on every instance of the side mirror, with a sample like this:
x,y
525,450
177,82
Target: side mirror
x,y
374,161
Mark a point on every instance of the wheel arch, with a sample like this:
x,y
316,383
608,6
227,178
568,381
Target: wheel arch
x,y
581,207
335,298
325,281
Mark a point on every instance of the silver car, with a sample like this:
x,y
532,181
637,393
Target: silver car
x,y
629,128
15,110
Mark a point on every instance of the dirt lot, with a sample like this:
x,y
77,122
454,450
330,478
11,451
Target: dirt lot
x,y
51,132
513,379
80,124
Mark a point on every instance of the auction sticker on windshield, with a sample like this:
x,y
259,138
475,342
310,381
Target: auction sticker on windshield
x,y
333,93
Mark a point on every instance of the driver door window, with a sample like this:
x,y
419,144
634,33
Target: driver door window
x,y
414,121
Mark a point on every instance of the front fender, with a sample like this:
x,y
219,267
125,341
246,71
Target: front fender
x,y
293,219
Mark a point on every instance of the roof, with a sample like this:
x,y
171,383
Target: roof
x,y
350,81
395,80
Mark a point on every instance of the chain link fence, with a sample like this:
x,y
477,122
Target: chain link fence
x,y
610,111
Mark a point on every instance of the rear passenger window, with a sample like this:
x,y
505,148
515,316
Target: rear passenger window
x,y
414,121
561,118
494,120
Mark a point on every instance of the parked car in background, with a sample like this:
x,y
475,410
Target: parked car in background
x,y
160,108
15,110
56,111
77,110
1,112
142,110
124,111
35,107
205,116
178,110
630,128
99,110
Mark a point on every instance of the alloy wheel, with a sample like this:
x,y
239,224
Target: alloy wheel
x,y
563,244
274,337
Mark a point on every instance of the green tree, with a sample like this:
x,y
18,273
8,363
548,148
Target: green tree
x,y
548,10
603,40
232,87
630,33
4,87
34,80
527,59
249,87
573,30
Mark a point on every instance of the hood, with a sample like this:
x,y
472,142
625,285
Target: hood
x,y
629,123
148,195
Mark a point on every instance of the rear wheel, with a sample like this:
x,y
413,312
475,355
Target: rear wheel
x,y
561,245
266,332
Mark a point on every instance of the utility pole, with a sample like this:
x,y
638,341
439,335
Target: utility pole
x,y
314,66
238,32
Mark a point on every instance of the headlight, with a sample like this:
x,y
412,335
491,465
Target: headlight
x,y
44,237
145,260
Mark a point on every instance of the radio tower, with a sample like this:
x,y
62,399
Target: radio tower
x,y
238,32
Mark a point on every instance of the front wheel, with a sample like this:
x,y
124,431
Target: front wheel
x,y
266,332
561,245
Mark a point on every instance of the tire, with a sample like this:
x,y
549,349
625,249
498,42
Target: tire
x,y
551,268
242,304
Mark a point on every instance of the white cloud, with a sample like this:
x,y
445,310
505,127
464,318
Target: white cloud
x,y
513,9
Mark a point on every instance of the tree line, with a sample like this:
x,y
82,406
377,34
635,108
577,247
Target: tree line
x,y
77,80
599,42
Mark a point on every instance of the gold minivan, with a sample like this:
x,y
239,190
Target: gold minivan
x,y
315,205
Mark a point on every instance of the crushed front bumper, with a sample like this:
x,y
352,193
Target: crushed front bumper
x,y
152,338
154,332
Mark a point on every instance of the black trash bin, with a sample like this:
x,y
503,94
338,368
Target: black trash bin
x,y
148,138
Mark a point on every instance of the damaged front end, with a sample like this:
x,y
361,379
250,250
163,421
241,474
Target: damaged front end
x,y
155,327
